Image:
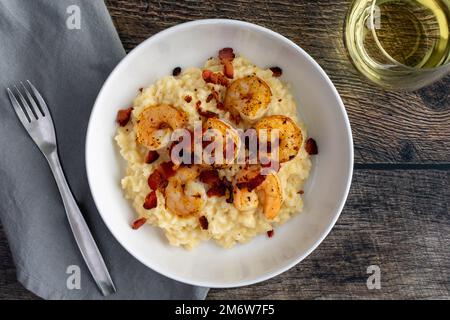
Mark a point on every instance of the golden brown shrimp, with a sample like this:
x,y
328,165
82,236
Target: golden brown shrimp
x,y
290,135
183,196
249,96
245,200
268,193
229,138
155,124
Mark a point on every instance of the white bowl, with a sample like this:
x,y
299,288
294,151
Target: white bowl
x,y
320,108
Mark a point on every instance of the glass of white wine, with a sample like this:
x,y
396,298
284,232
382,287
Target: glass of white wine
x,y
399,44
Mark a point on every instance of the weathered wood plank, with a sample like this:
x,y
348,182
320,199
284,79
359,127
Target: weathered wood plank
x,y
388,127
398,220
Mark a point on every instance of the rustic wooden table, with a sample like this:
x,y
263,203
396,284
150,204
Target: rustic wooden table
x,y
397,214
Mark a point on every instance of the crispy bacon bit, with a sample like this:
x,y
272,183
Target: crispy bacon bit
x,y
220,106
210,177
226,57
166,169
228,69
156,180
206,143
206,74
218,78
311,146
176,71
270,233
301,192
188,99
276,71
138,223
252,184
207,114
218,187
203,113
235,118
226,54
215,95
203,222
217,190
214,78
229,188
151,157
163,186
123,116
151,201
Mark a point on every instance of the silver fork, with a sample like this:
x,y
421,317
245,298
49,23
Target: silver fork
x,y
32,111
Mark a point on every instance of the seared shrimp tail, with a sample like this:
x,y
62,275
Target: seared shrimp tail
x,y
156,123
183,197
290,135
249,97
251,189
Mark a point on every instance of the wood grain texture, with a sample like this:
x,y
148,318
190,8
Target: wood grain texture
x,y
395,218
398,220
388,127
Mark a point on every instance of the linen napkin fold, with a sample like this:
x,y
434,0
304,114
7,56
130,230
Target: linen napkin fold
x,y
66,48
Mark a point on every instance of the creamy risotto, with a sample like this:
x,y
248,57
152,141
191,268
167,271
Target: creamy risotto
x,y
199,203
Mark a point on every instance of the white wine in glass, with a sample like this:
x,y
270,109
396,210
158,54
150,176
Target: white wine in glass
x,y
399,44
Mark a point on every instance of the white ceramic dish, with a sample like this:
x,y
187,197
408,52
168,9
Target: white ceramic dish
x,y
320,107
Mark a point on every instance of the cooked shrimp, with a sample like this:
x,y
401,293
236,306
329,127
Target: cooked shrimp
x,y
229,138
249,96
184,197
245,200
155,124
268,193
290,136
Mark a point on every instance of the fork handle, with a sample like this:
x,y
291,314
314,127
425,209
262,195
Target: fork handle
x,y
83,236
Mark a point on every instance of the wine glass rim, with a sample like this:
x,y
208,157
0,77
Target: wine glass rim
x,y
387,55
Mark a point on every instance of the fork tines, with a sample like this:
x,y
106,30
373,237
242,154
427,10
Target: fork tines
x,y
29,106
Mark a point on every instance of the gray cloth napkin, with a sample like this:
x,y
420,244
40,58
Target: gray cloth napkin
x,y
38,42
